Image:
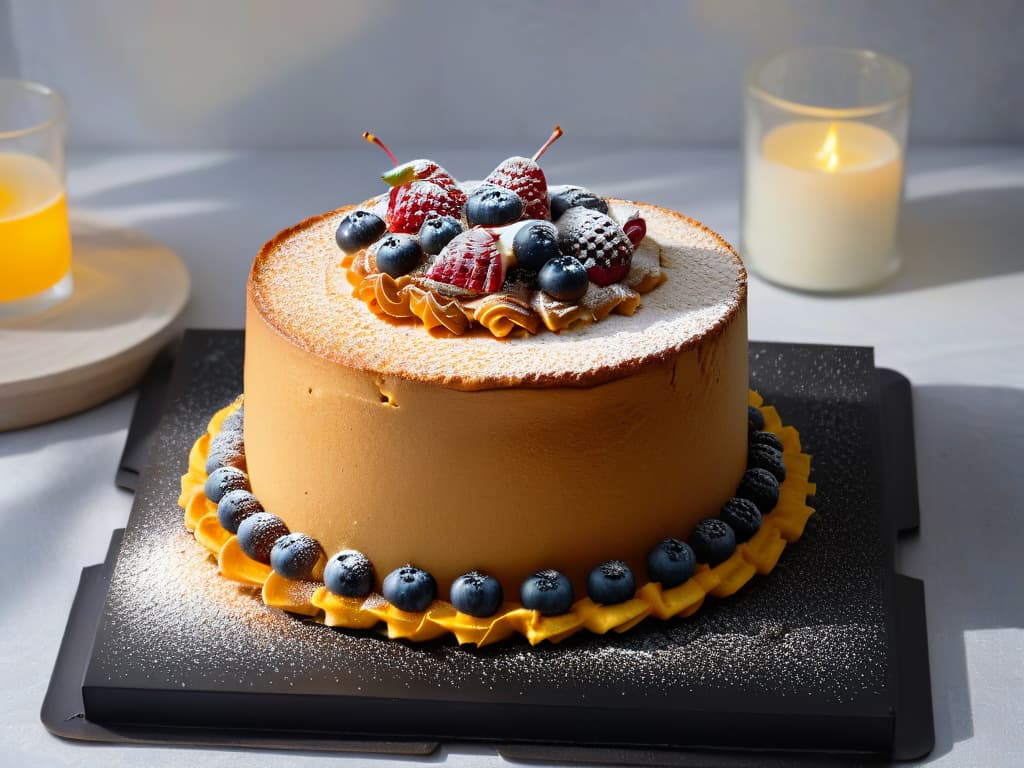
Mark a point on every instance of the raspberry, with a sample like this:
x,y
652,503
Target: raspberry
x,y
411,204
598,242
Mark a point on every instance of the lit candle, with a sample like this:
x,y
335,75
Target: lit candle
x,y
821,205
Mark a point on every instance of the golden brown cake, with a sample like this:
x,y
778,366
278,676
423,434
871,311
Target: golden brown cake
x,y
494,409
548,451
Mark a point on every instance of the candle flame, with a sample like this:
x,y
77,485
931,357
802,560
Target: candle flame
x,y
828,155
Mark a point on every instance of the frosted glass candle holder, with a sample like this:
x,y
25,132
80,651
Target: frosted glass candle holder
x,y
825,134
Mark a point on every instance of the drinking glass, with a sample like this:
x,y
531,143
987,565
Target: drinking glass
x,y
35,241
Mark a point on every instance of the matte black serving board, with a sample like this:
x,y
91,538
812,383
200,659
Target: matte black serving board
x,y
828,653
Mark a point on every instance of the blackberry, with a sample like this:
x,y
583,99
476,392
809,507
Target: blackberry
x,y
766,457
743,516
713,541
761,487
766,438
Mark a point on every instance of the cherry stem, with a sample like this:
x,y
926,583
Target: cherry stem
x,y
374,140
555,136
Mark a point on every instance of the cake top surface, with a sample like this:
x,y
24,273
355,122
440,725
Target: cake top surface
x,y
298,287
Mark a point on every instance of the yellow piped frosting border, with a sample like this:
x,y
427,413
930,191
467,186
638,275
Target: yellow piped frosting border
x,y
758,555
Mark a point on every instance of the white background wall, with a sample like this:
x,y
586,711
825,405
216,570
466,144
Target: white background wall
x,y
232,73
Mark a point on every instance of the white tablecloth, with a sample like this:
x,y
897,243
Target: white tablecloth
x,y
952,321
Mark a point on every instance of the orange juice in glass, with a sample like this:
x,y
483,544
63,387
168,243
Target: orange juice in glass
x,y
35,242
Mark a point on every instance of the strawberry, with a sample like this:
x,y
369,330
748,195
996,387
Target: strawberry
x,y
523,176
471,262
419,189
425,170
598,242
411,204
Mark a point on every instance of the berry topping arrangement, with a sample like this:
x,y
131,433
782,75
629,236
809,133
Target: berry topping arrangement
x,y
508,253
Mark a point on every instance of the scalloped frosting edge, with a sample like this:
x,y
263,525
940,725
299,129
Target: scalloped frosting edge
x,y
758,555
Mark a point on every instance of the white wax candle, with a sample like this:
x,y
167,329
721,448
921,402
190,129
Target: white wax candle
x,y
821,204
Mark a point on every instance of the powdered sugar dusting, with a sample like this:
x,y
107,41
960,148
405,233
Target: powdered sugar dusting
x,y
814,631
705,286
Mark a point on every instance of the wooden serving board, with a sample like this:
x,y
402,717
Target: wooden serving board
x,y
128,293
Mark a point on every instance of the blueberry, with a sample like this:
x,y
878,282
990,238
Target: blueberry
x,y
295,555
535,245
547,591
572,197
410,589
258,533
492,206
766,438
223,480
398,255
743,516
564,278
761,487
234,421
477,594
227,449
358,229
755,419
349,574
713,541
234,507
766,457
610,583
437,232
671,562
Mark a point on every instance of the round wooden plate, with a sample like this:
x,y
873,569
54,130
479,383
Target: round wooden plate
x,y
128,293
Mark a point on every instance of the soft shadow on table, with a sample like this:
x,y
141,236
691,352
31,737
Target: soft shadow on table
x,y
960,236
968,442
40,515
